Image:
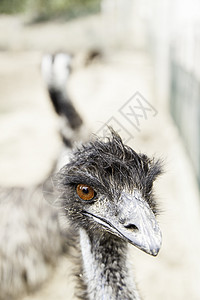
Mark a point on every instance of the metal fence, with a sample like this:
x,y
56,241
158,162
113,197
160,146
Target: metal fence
x,y
185,109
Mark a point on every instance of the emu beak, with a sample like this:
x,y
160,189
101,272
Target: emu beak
x,y
138,224
132,220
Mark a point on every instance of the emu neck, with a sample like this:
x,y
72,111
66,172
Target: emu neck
x,y
105,268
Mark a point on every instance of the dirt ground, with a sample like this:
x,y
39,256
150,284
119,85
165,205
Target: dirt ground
x,y
29,143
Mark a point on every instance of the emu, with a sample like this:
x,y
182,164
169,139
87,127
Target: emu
x,y
104,189
106,192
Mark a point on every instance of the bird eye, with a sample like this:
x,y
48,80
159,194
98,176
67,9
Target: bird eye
x,y
85,192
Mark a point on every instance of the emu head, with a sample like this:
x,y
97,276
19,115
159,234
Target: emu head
x,y
106,188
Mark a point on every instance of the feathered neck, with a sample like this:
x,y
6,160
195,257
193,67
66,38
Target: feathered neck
x,y
105,268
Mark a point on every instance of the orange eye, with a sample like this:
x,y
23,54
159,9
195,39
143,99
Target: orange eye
x,y
85,192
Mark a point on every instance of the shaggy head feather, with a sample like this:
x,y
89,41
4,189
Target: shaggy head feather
x,y
109,167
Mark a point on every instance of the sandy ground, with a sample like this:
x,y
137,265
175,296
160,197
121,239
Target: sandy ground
x,y
29,143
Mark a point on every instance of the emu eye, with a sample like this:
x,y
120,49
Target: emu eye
x,y
85,192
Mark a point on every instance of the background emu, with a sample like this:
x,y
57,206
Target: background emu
x,y
120,209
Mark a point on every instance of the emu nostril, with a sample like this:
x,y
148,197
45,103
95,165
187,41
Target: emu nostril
x,y
132,227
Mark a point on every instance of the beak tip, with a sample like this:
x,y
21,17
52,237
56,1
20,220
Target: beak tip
x,y
154,252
